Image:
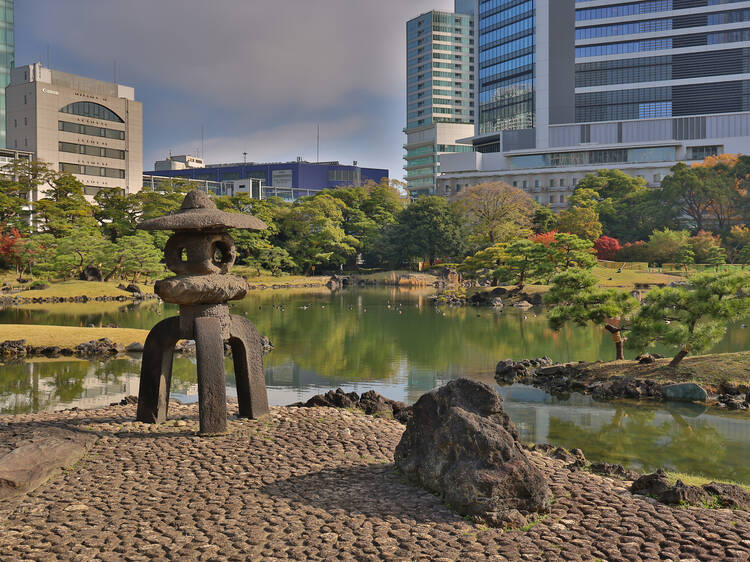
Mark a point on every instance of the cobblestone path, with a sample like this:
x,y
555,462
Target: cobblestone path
x,y
310,484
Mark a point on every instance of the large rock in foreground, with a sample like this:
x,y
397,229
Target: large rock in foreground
x,y
460,444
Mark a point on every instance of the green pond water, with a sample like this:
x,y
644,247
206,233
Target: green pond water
x,y
397,343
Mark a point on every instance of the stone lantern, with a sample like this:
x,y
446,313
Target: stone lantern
x,y
201,253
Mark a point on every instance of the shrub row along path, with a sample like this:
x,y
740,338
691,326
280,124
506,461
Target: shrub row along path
x,y
312,483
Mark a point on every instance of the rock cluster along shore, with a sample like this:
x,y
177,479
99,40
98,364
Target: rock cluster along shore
x,y
15,301
713,494
561,378
370,403
261,286
17,349
314,484
499,297
656,486
103,347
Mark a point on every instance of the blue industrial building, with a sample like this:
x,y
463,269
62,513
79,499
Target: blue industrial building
x,y
289,180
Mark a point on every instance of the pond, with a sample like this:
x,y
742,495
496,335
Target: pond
x,y
397,343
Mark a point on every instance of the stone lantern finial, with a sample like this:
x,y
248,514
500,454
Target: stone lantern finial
x,y
201,253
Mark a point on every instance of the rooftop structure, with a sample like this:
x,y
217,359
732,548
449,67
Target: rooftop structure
x,y
181,162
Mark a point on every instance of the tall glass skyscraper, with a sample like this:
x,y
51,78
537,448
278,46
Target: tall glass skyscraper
x,y
440,105
566,87
507,55
7,57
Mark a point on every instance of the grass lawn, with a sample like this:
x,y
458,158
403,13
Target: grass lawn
x,y
693,480
610,279
90,289
76,309
391,276
68,336
706,370
266,278
627,279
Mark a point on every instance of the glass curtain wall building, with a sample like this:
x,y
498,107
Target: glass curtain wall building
x,y
661,58
507,55
567,87
7,57
440,102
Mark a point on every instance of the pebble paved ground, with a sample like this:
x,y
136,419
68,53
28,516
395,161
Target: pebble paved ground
x,y
309,484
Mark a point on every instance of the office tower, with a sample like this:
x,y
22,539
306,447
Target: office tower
x,y
90,128
7,56
439,91
568,87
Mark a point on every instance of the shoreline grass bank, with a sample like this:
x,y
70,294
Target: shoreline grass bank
x,y
709,371
68,336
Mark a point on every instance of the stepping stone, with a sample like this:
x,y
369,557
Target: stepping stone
x,y
34,462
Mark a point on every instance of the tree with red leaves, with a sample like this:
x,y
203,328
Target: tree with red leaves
x,y
606,247
545,238
10,247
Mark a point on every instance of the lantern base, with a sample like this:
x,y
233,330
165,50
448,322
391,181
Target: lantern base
x,y
247,354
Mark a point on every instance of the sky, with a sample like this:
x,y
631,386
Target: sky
x,y
257,75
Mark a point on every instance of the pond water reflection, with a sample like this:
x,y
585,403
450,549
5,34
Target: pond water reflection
x,y
397,343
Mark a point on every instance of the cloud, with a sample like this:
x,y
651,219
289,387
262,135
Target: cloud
x,y
242,53
258,74
280,143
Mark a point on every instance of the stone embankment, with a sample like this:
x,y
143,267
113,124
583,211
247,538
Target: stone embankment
x,y
499,297
103,347
263,286
563,378
370,403
713,494
314,484
18,300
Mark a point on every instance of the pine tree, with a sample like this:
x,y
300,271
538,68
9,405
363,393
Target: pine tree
x,y
575,297
693,317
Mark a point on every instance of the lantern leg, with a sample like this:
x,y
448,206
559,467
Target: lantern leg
x,y
156,371
212,392
247,354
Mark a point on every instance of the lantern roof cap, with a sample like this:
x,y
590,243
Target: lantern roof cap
x,y
199,212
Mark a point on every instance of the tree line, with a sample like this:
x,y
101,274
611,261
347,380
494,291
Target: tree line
x,y
696,215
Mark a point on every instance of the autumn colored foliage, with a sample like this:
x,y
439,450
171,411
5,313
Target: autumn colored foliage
x,y
607,247
545,238
633,251
9,246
